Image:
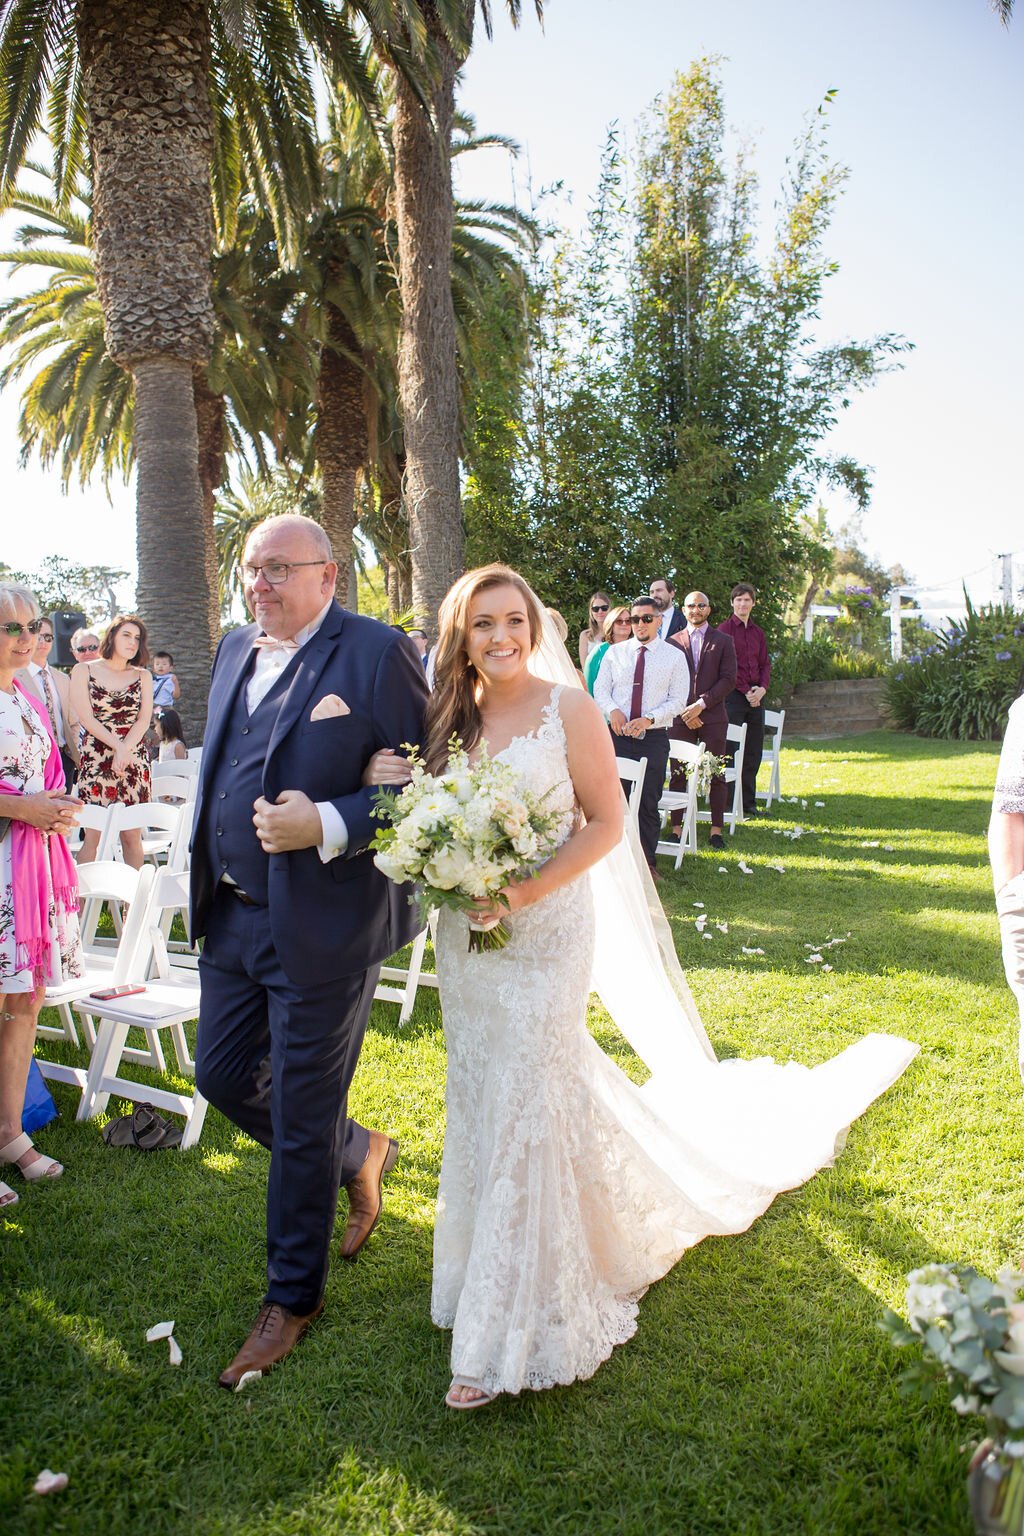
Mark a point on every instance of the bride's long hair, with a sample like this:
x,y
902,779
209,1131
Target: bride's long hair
x,y
453,708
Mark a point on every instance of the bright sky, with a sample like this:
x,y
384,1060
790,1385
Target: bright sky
x,y
929,234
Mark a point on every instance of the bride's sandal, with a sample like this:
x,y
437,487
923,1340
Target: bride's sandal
x,y
41,1166
481,1399
7,1195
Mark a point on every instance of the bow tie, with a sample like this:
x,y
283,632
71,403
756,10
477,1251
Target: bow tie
x,y
268,643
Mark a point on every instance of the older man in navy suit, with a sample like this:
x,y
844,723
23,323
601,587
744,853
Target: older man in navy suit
x,y
296,918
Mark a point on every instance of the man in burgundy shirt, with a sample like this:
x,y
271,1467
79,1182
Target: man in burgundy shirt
x,y
745,703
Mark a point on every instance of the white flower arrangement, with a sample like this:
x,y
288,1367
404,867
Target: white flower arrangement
x,y
706,768
462,835
971,1331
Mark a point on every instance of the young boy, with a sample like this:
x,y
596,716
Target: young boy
x,y
165,685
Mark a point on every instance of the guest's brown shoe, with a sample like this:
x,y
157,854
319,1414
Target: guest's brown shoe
x,y
275,1334
365,1199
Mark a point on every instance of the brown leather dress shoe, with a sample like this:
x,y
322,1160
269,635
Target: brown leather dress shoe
x,y
365,1198
275,1334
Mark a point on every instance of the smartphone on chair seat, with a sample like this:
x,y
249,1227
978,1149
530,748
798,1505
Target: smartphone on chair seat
x,y
104,994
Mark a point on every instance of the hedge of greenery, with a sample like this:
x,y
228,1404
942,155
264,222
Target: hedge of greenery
x,y
962,685
819,660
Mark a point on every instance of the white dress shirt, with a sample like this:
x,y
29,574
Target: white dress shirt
x,y
270,663
666,681
58,721
698,633
666,620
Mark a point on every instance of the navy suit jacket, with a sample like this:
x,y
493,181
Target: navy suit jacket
x,y
675,623
335,919
716,673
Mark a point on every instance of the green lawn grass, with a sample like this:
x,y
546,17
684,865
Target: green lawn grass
x,y
758,1394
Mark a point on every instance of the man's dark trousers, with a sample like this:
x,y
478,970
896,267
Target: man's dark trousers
x,y
742,712
265,1044
653,746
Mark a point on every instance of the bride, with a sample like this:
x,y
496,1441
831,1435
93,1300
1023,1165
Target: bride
x,y
565,1189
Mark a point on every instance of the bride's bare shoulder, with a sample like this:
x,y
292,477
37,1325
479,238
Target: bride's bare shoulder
x,y
579,712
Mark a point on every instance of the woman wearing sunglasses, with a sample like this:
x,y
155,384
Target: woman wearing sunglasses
x,y
38,888
599,609
616,627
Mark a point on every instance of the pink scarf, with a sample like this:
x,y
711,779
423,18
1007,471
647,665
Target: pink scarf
x,y
31,853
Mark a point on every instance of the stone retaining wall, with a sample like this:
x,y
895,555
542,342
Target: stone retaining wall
x,y
844,708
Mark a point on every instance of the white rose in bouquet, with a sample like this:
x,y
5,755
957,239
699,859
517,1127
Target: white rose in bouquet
x,y
446,867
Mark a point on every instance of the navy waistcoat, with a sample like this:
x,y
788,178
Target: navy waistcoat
x,y
232,846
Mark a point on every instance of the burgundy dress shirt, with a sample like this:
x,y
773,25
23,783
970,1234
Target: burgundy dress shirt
x,y
753,669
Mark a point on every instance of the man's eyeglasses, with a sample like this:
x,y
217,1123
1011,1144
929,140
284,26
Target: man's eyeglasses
x,y
644,618
84,650
688,606
16,630
599,607
276,572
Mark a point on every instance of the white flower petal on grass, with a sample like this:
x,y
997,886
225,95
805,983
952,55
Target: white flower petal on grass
x,y
745,869
780,867
888,848
246,1377
870,845
820,802
697,903
826,967
159,1331
804,804
707,935
699,922
173,1350
722,870
748,951
814,959
50,1482
722,927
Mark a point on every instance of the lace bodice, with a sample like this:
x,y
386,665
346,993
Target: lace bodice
x,y
541,763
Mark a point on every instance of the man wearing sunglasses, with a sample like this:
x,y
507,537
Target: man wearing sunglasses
x,y
296,917
641,686
711,668
53,690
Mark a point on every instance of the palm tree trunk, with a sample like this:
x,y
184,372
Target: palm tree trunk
x,y
211,432
427,378
146,70
173,590
341,442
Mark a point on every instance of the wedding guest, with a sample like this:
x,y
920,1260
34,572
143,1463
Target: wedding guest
x,y
39,941
421,642
113,699
640,688
711,659
745,704
1006,853
53,690
663,590
616,629
170,737
166,689
85,645
592,636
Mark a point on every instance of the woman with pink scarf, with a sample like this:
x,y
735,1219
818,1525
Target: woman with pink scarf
x,y
39,940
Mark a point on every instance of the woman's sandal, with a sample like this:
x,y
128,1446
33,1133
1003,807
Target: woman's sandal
x,y
460,1403
42,1167
7,1195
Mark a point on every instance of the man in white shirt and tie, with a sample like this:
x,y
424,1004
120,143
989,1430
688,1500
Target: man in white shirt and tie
x,y
53,690
641,686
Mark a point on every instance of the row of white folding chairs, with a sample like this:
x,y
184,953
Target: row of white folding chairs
x,y
169,999
774,723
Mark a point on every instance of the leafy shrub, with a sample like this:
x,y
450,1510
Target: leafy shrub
x,y
962,686
819,660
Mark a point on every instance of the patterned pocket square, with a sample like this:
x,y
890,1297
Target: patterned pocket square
x,y
329,707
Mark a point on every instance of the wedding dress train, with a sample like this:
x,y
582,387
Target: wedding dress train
x,y
565,1189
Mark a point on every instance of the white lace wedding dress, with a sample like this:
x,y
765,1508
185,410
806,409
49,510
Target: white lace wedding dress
x,y
565,1189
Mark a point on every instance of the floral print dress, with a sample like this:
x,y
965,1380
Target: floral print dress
x,y
24,749
97,783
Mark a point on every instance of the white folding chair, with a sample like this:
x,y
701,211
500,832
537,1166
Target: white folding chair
x,y
774,721
183,767
634,772
407,980
170,999
99,883
733,776
174,788
97,818
685,754
157,822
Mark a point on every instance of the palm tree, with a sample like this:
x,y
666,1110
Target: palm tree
x,y
427,368
140,83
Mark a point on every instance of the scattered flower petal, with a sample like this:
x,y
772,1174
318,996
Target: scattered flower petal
x,y
722,927
888,848
780,867
745,869
174,1350
814,959
246,1377
159,1331
707,935
826,967
870,845
50,1482
722,869
819,802
699,922
748,951
698,903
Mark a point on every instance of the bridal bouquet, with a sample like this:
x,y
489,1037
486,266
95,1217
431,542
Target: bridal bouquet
x,y
462,835
971,1330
